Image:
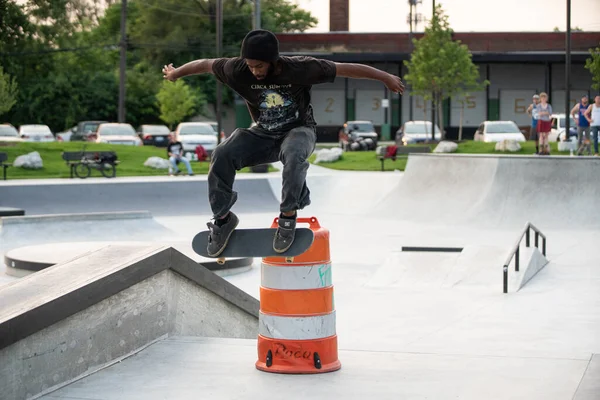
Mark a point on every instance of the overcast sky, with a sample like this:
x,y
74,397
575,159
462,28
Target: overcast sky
x,y
464,15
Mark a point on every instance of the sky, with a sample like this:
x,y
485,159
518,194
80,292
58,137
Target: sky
x,y
464,15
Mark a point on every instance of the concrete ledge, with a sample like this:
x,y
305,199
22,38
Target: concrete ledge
x,y
75,318
39,257
95,216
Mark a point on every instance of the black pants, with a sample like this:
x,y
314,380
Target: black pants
x,y
245,148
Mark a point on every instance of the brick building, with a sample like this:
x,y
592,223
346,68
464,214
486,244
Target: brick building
x,y
517,64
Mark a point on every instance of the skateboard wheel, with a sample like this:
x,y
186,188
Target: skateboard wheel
x,y
289,259
220,261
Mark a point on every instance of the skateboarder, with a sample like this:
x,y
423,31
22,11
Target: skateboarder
x,y
277,91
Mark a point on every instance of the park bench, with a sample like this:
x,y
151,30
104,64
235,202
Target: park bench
x,y
4,164
73,158
383,152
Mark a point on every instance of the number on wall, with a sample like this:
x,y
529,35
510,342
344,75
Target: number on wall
x,y
471,102
520,107
376,103
330,102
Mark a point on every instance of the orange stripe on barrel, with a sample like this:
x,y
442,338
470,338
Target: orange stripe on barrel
x,y
296,302
297,356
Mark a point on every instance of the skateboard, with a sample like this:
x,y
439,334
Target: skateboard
x,y
255,243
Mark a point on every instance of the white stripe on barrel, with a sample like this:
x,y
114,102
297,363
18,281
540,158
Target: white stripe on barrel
x,y
296,328
297,277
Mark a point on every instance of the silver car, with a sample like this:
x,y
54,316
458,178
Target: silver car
x,y
36,133
193,134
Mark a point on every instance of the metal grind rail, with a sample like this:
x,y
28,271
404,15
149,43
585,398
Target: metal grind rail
x,y
516,250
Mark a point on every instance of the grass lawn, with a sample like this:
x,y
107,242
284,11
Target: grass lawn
x,y
131,159
367,161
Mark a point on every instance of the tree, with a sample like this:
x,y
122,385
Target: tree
x,y
593,65
440,67
177,101
183,30
8,92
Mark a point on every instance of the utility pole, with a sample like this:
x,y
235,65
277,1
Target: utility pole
x,y
413,19
433,100
256,22
219,29
123,63
568,73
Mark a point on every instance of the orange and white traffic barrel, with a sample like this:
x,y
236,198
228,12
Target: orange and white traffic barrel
x,y
297,331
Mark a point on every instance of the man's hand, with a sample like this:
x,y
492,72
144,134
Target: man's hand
x,y
169,73
394,84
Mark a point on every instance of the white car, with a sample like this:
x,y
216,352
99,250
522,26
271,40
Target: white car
x,y
417,132
497,131
558,128
192,134
36,133
8,133
117,133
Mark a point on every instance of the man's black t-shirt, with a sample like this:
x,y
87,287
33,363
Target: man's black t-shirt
x,y
281,101
174,148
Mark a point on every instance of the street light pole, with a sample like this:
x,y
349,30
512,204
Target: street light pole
x,y
257,21
433,102
411,3
568,73
123,62
219,29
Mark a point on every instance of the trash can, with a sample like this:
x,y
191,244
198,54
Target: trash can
x,y
385,132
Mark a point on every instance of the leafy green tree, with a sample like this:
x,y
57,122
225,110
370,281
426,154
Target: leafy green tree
x,y
8,92
440,67
593,65
176,101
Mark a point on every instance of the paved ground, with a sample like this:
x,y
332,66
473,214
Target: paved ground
x,y
415,326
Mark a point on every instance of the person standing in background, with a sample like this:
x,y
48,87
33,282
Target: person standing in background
x,y
593,116
544,126
532,111
583,125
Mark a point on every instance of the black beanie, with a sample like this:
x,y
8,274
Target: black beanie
x,y
260,45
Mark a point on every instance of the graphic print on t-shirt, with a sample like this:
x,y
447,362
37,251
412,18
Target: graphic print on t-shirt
x,y
277,109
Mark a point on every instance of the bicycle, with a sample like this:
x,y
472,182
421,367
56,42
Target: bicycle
x,y
101,162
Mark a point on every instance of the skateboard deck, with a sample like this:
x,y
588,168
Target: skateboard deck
x,y
254,243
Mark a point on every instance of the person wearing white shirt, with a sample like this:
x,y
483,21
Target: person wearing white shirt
x,y
592,114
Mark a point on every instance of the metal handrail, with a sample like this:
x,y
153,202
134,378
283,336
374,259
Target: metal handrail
x,y
515,250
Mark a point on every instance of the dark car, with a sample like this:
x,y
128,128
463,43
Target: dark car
x,y
358,132
85,131
154,135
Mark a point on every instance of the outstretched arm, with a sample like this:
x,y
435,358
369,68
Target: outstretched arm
x,y
588,113
192,68
361,71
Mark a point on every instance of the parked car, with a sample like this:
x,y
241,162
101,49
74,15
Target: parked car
x,y
416,132
558,128
36,133
154,135
65,136
117,133
9,133
85,131
358,131
497,131
192,134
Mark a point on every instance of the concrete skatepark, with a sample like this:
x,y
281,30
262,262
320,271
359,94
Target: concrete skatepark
x,y
138,318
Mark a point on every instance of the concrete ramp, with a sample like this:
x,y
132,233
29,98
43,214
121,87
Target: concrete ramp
x,y
76,318
477,267
497,191
344,193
